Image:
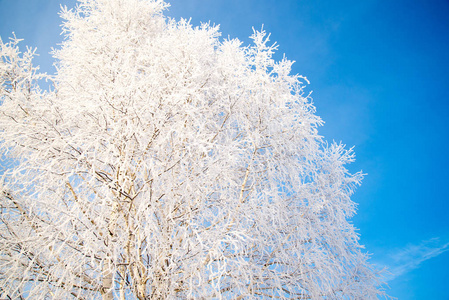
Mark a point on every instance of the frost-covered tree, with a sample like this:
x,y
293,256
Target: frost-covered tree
x,y
166,163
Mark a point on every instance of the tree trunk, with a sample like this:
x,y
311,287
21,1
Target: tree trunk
x,y
106,290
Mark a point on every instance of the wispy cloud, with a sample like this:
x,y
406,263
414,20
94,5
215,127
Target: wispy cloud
x,y
411,257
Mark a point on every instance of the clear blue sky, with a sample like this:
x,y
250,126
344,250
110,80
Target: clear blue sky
x,y
379,72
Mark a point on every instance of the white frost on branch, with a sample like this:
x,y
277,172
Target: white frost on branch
x,y
166,163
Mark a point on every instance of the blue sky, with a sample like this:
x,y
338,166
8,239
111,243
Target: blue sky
x,y
379,73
